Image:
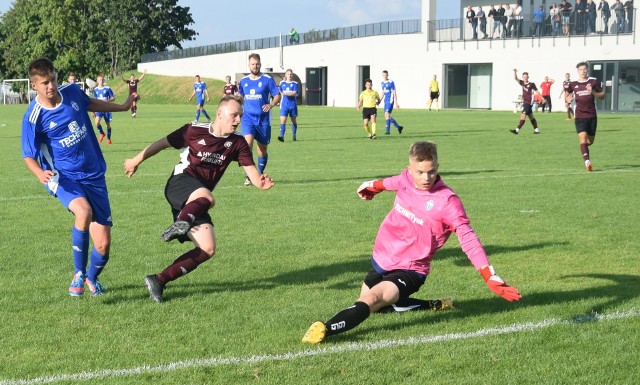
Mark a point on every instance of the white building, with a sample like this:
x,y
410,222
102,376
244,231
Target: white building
x,y
472,73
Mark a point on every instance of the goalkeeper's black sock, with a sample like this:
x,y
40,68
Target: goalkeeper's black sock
x,y
348,318
411,304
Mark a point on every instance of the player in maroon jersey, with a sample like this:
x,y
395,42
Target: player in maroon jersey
x,y
568,98
585,90
528,90
229,88
133,87
208,149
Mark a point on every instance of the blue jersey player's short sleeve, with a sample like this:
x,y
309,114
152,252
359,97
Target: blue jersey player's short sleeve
x,y
62,139
257,93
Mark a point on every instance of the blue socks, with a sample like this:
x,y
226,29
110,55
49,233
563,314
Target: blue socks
x,y
80,249
108,132
294,130
98,262
197,115
387,126
283,128
99,127
262,163
205,114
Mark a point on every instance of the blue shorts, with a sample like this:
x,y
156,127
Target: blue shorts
x,y
388,107
105,115
261,130
289,111
200,103
95,192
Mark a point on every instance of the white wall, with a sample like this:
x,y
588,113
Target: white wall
x,y
412,62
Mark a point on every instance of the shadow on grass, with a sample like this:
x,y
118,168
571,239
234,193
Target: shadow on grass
x,y
308,276
621,288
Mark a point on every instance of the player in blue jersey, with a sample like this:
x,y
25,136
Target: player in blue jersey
x,y
102,92
390,100
260,94
60,148
200,90
288,106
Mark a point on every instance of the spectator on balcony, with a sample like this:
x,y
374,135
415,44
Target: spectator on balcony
x,y
482,18
628,7
499,21
554,15
471,17
565,12
294,36
605,13
580,16
519,18
538,17
591,13
508,21
618,8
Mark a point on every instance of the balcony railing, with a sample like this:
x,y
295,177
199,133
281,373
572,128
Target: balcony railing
x,y
313,36
460,29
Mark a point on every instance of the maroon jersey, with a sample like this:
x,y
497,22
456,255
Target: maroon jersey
x,y
206,156
527,91
230,89
585,101
133,85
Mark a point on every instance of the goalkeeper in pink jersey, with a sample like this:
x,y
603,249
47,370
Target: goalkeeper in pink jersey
x,y
425,213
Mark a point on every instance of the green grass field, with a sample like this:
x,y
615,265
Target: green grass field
x,y
567,239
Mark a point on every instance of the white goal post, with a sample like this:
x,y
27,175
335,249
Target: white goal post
x,y
11,97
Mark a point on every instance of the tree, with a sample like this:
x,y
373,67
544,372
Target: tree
x,y
89,36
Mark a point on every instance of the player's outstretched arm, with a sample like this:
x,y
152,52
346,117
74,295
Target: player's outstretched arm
x,y
369,189
261,181
131,165
498,285
97,105
144,73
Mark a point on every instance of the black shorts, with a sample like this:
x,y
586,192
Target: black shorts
x,y
435,95
407,281
367,113
588,125
177,191
526,109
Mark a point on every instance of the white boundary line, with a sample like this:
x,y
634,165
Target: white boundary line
x,y
219,361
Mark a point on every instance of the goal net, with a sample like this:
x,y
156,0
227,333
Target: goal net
x,y
16,91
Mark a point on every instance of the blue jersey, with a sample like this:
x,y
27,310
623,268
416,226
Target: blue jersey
x,y
200,87
288,101
257,93
62,139
105,93
387,92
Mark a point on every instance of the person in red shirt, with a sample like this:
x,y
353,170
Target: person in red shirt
x,y
545,90
586,89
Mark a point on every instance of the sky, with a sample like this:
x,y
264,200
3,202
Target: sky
x,y
252,19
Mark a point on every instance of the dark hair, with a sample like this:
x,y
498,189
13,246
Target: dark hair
x,y
41,67
368,81
582,63
525,73
255,56
385,72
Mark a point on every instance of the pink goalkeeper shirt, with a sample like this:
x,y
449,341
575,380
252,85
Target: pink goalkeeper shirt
x,y
419,224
